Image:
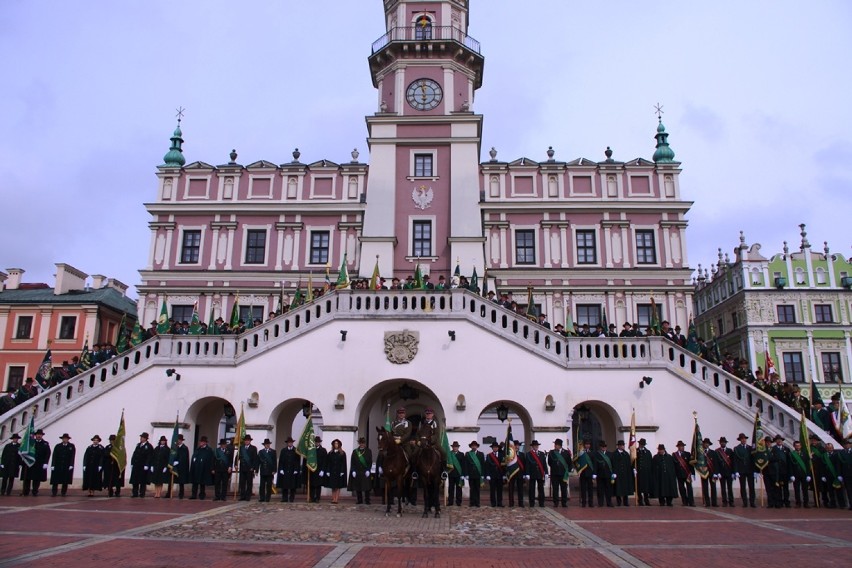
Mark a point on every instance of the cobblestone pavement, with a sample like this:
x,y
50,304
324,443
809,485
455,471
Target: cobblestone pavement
x,y
78,531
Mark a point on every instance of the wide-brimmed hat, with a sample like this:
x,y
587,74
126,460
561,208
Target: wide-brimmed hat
x,y
557,442
495,445
602,444
707,441
680,444
619,443
455,444
778,437
742,436
266,441
15,437
723,440
163,439
223,441
96,437
661,447
65,436
247,438
472,444
317,439
289,439
111,437
534,443
142,435
180,437
643,441
203,439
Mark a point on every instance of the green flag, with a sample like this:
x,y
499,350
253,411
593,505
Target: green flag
x,y
173,455
655,319
297,297
241,428
195,324
85,357
27,450
484,281
388,425
45,370
211,324
474,282
418,278
122,342
136,336
531,311
510,458
692,338
118,452
163,321
604,323
452,460
343,275
235,312
306,447
699,460
760,453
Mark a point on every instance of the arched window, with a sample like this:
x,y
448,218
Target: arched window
x,y
820,276
423,27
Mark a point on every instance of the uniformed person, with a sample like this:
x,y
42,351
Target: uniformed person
x,y
247,467
35,474
267,462
113,474
62,465
361,467
684,473
708,484
642,465
559,463
494,474
800,470
622,469
474,469
664,478
201,469
725,471
536,461
585,466
316,476
744,470
456,477
140,461
288,471
605,475
223,461
179,458
93,465
10,464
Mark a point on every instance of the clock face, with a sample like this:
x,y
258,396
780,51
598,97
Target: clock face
x,y
424,94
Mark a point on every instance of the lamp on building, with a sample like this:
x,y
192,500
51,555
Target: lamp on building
x,y
645,381
307,407
452,335
502,412
342,335
173,373
407,392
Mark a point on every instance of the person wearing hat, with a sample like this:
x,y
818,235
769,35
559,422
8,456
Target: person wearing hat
x,y
560,464
642,465
664,479
288,471
317,477
267,462
429,435
179,466
456,474
494,474
93,465
201,469
684,473
10,464
160,474
744,470
819,414
141,461
536,473
247,466
800,471
708,484
62,465
335,470
777,474
223,466
605,475
516,474
403,430
622,468
360,467
585,466
113,474
35,474
474,468
627,331
724,468
844,469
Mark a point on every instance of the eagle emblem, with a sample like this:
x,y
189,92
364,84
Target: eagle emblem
x,y
422,196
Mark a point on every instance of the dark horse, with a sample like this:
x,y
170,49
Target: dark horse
x,y
394,469
429,468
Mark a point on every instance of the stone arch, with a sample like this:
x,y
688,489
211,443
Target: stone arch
x,y
595,420
288,419
489,425
211,416
411,394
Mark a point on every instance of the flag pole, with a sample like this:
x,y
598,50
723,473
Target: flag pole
x,y
695,449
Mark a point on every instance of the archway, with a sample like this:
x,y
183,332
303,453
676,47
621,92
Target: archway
x,y
379,405
213,417
289,418
595,420
492,428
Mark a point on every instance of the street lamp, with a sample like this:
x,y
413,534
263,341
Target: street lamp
x,y
307,407
582,415
407,392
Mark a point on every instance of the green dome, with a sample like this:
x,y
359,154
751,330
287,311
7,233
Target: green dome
x,y
174,157
663,154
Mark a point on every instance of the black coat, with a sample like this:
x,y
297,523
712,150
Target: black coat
x,y
471,460
223,459
160,465
140,462
557,470
494,465
743,461
622,467
267,460
93,465
288,468
360,467
644,461
536,464
10,461
683,469
663,476
247,459
335,470
201,467
113,477
62,465
179,460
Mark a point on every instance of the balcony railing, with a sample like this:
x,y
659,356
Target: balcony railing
x,y
427,34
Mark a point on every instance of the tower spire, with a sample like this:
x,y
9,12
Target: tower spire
x,y
663,154
174,157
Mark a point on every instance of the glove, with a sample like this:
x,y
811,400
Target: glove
x,y
487,478
381,471
342,474
634,471
756,475
839,478
51,468
70,467
176,463
99,468
353,474
594,476
295,472
526,477
164,469
322,473
614,475
84,469
808,479
736,476
822,478
45,467
281,471
792,478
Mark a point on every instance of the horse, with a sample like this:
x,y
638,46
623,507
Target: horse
x,y
394,469
429,466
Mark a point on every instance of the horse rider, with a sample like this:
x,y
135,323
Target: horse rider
x,y
429,435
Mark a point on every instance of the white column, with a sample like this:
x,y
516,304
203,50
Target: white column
x,y
625,247
812,352
167,256
668,246
608,244
547,256
214,250
280,252
504,258
151,250
230,253
563,243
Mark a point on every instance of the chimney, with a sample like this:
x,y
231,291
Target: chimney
x,y
117,285
98,281
13,282
68,278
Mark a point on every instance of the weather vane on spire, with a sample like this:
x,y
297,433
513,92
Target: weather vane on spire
x,y
659,111
179,114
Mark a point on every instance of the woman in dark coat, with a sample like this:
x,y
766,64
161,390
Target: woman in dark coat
x,y
335,472
93,464
160,467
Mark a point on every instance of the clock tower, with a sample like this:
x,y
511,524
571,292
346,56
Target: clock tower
x,y
423,187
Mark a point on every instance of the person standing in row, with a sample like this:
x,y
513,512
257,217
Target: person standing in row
x,y
160,466
664,478
456,478
248,466
316,476
744,470
622,469
10,464
494,475
180,465
35,474
800,472
267,460
644,461
113,476
605,475
725,471
361,465
684,473
93,464
585,466
223,461
536,473
141,462
201,469
474,467
288,471
62,465
559,463
335,470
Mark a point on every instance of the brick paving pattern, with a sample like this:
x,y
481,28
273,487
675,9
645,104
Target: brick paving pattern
x,y
77,531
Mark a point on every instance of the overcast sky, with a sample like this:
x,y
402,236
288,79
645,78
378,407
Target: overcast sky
x,y
755,94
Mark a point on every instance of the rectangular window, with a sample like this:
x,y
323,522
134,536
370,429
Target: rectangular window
x,y
423,165
16,377
646,252
644,315
190,247
831,371
735,321
421,244
423,30
720,327
319,247
786,314
822,313
586,248
25,327
525,246
256,246
588,314
182,313
251,313
67,327
794,370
